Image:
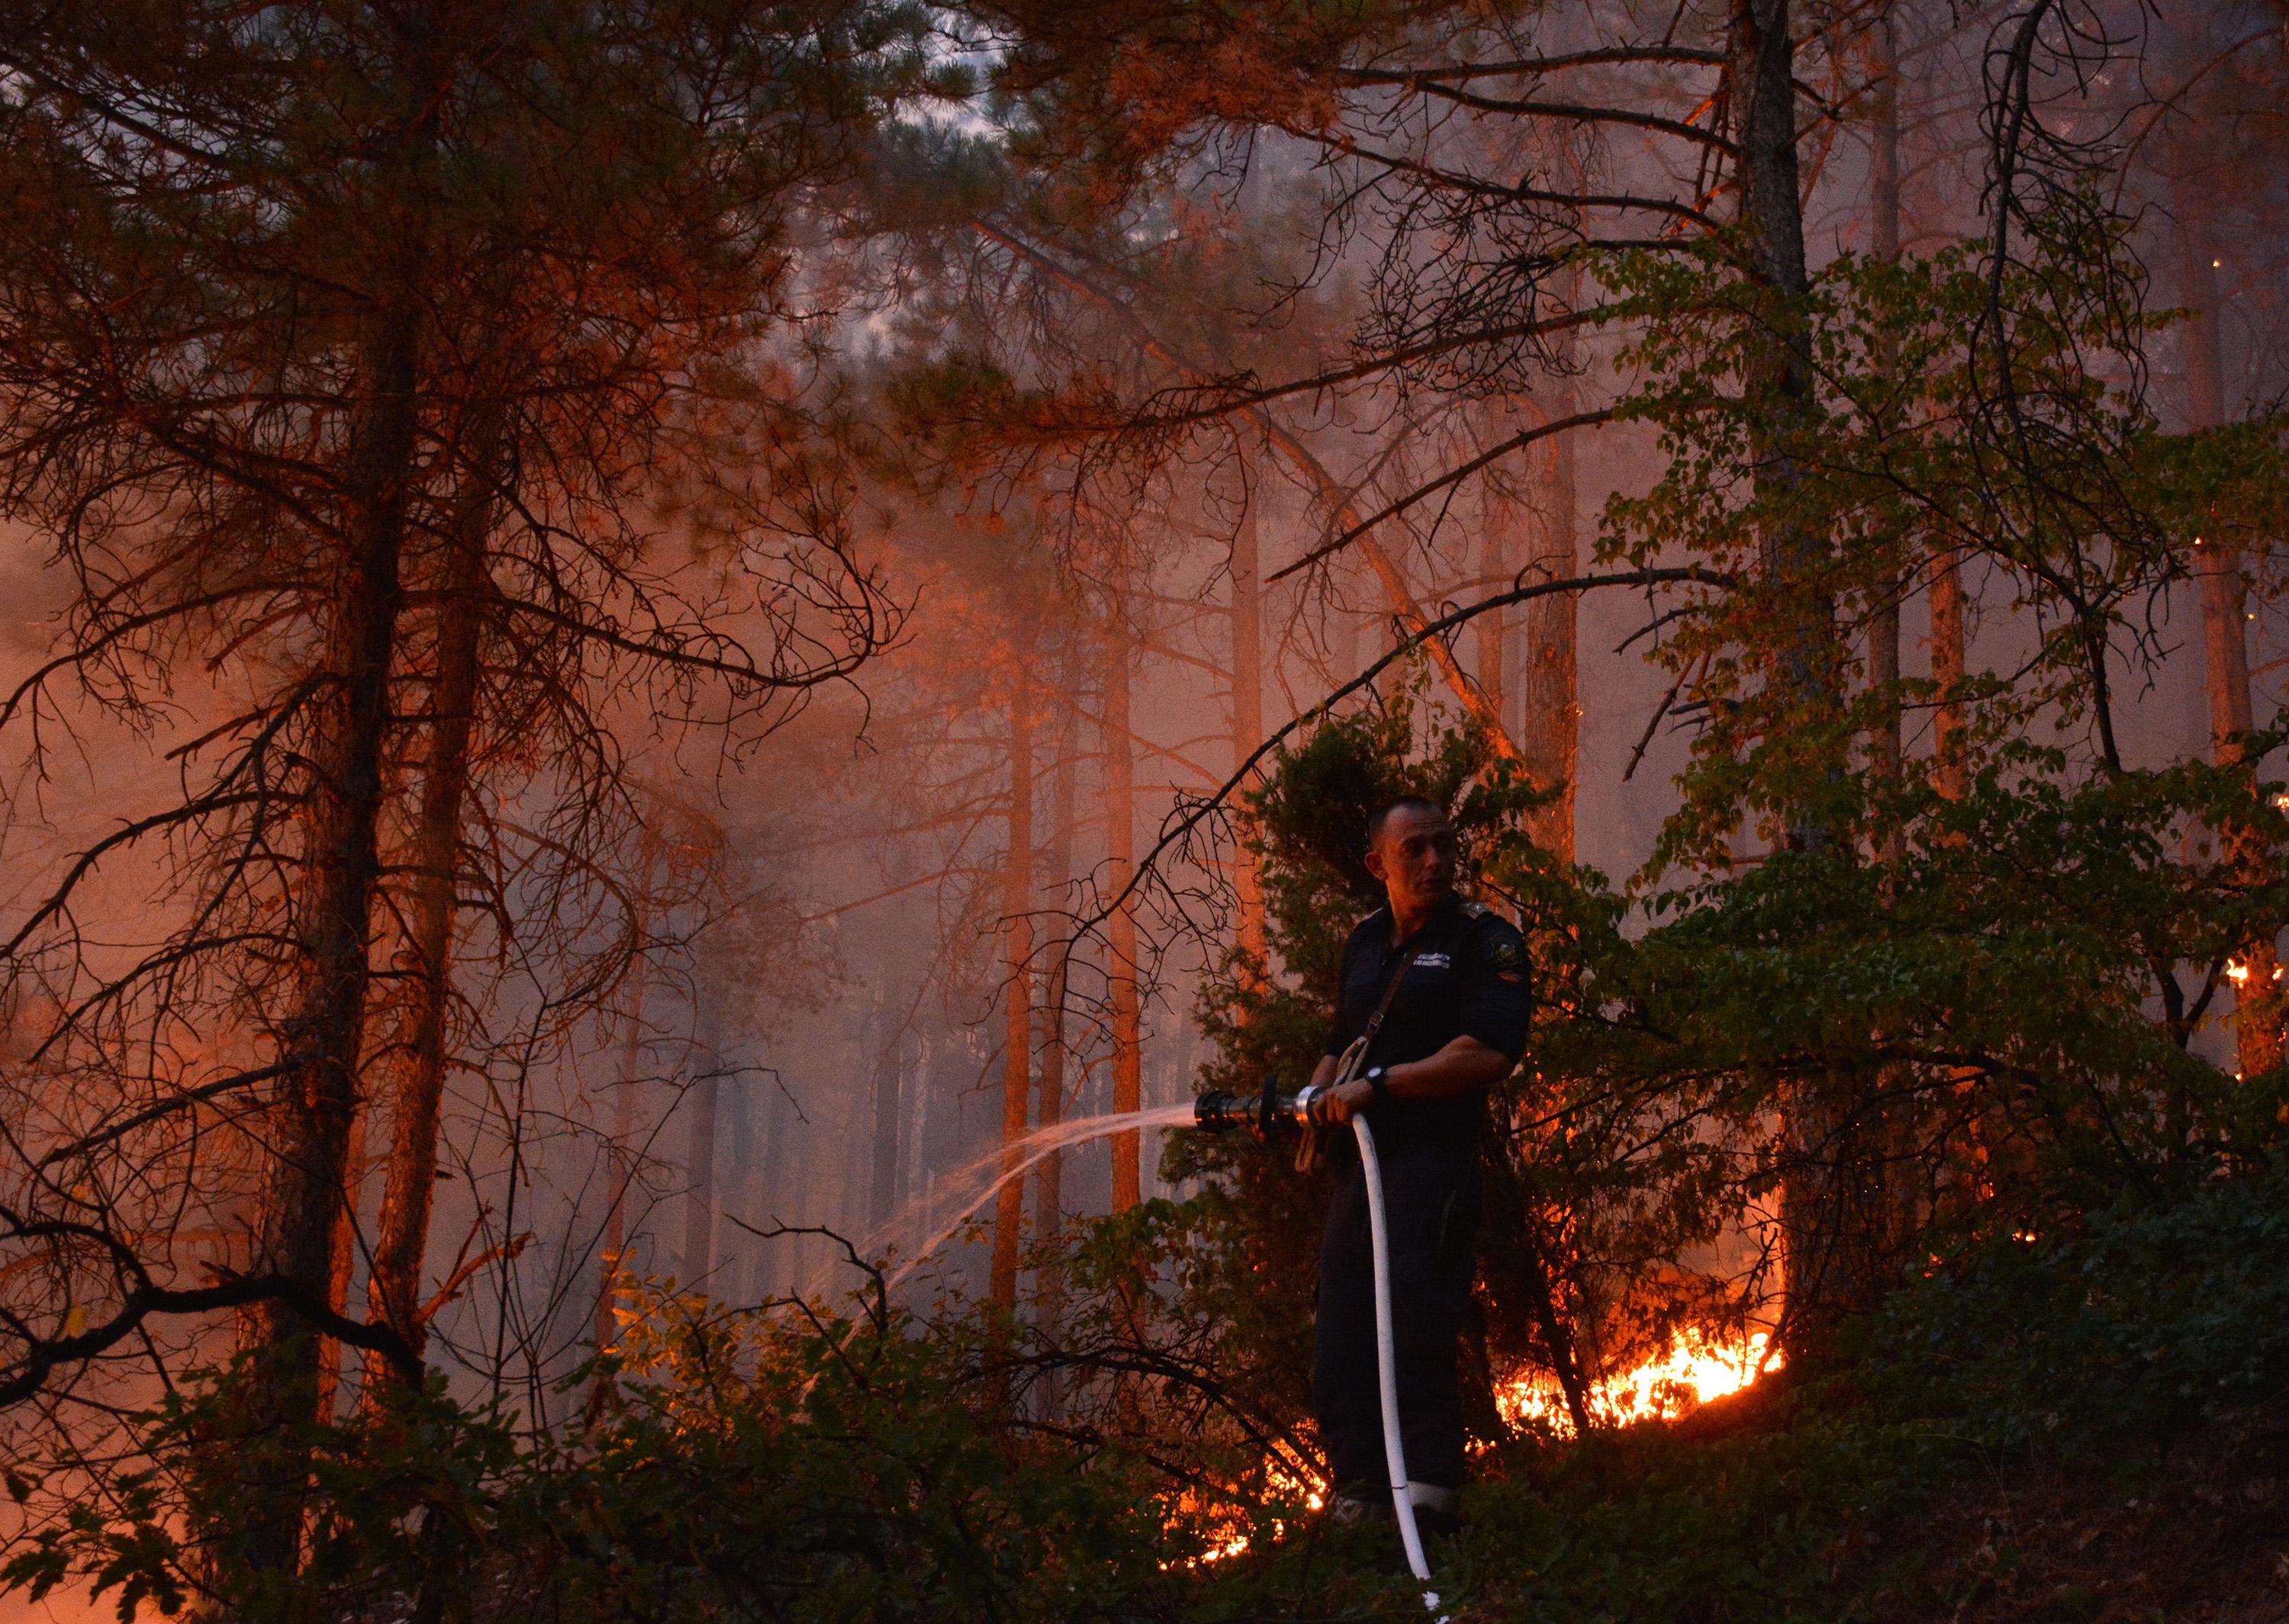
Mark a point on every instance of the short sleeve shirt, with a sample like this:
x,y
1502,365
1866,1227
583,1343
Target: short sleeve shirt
x,y
1470,979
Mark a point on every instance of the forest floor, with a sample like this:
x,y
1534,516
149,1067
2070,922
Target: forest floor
x,y
2186,1529
2194,1530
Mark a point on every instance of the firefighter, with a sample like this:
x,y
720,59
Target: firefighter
x,y
1432,1012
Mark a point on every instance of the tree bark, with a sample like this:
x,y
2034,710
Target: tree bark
x,y
700,1173
2257,1018
1247,709
1886,746
409,1183
1121,929
1551,729
321,1038
1826,1189
883,1193
1491,631
1950,774
1048,1179
1017,953
1763,91
612,1248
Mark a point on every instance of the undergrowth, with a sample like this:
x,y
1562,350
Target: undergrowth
x,y
1797,1501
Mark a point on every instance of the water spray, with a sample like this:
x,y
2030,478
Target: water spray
x,y
1219,1113
1263,1112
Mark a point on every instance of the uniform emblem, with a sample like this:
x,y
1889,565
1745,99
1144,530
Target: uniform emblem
x,y
1508,954
1433,961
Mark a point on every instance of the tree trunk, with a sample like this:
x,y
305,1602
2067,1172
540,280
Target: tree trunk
x,y
1491,631
1886,747
1017,953
2257,1019
345,1265
1552,723
883,1193
409,1189
1247,710
1763,93
1950,775
699,1171
611,1249
320,1040
1048,1181
1120,930
1833,1263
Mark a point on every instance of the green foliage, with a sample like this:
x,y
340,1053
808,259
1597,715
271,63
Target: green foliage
x,y
791,1465
1955,416
2075,1354
2153,1315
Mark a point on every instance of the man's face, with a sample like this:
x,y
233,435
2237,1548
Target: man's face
x,y
1414,856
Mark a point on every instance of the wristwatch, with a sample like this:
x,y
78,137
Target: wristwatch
x,y
1377,1084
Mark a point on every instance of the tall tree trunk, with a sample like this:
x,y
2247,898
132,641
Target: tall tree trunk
x,y
1491,631
345,1265
1764,96
1248,704
1120,930
882,1192
1048,1181
611,1249
2257,1017
1017,953
320,1040
699,1171
1950,773
409,1183
1827,1193
1884,210
1552,723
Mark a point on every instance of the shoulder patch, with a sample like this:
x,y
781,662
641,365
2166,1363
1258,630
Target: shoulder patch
x,y
1508,952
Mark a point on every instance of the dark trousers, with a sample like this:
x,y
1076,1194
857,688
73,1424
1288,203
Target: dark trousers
x,y
1431,1204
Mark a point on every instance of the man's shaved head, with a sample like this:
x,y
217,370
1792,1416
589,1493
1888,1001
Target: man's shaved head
x,y
1381,821
1411,848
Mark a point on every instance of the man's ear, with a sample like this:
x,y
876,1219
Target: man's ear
x,y
1374,862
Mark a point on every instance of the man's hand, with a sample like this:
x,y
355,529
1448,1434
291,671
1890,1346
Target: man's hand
x,y
1462,1065
1338,1106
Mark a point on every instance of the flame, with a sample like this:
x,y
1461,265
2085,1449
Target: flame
x,y
1226,1530
1696,1369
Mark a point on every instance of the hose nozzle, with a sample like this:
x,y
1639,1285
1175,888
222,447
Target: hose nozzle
x,y
1217,1112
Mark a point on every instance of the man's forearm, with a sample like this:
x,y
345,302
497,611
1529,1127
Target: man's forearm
x,y
1462,1065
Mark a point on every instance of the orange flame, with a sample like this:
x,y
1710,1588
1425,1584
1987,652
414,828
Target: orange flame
x,y
1695,1370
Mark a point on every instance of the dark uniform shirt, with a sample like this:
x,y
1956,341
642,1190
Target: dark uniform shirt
x,y
1468,980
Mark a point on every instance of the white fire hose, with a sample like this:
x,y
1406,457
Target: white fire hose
x,y
1217,1112
1386,1368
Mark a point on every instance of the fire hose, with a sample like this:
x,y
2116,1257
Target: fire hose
x,y
1267,1110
